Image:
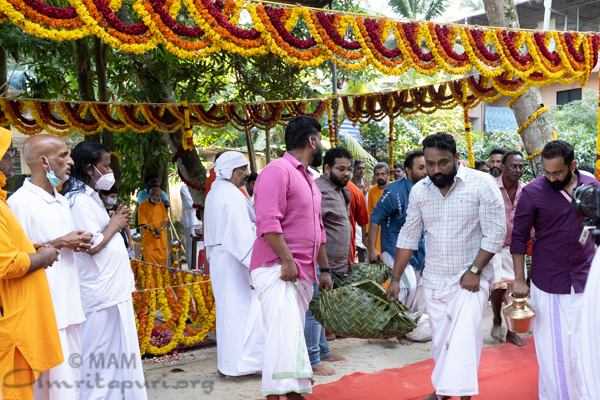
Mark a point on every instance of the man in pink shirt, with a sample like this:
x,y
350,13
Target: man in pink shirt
x,y
290,242
504,273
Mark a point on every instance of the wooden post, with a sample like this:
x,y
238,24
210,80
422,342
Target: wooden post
x,y
268,144
251,155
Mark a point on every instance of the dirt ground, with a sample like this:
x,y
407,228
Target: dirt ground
x,y
193,376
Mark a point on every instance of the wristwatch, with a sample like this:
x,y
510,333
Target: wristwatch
x,y
475,270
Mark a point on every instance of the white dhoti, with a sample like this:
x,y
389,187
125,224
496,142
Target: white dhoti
x,y
62,381
590,339
408,284
233,298
456,320
504,270
358,238
112,365
556,332
286,366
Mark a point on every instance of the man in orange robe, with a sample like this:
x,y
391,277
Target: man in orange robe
x,y
152,217
29,341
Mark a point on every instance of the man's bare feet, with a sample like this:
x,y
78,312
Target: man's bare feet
x,y
404,341
434,396
243,377
497,332
330,337
220,375
323,370
334,357
295,396
512,337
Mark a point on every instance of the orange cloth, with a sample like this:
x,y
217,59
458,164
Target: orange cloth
x,y
153,215
29,342
244,192
209,181
359,214
373,197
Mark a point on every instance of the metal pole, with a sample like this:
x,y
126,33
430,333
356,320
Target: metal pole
x,y
577,18
547,12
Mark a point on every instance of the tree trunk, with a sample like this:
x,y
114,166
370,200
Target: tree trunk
x,y
503,13
3,72
84,74
108,137
251,155
268,144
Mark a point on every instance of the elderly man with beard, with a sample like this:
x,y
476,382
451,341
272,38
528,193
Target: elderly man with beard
x,y
290,243
381,175
336,221
495,161
562,255
462,211
511,188
45,216
29,338
390,215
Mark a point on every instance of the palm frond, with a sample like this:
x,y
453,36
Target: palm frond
x,y
358,152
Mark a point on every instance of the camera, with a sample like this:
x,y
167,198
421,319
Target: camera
x,y
586,204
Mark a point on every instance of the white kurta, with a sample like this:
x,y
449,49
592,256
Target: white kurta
x,y
45,217
190,222
556,332
109,332
229,235
590,339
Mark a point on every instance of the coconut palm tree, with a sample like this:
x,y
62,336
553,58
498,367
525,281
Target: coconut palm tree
x,y
419,9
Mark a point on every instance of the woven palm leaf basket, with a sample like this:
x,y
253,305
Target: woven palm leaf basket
x,y
377,272
361,310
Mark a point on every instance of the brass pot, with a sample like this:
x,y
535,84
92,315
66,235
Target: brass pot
x,y
518,315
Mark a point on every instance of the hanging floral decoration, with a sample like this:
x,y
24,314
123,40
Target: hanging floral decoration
x,y
179,295
351,41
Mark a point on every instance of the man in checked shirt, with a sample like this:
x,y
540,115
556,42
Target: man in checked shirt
x,y
463,213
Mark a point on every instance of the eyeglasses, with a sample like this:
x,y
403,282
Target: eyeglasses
x,y
12,151
558,175
344,170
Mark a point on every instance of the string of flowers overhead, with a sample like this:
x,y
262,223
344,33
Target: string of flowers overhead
x,y
353,42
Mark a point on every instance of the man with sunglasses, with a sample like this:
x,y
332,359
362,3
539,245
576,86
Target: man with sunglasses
x,y
562,255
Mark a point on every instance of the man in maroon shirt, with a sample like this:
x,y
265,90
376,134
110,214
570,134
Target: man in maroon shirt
x,y
562,255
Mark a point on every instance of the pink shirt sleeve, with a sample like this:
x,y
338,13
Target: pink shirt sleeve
x,y
270,201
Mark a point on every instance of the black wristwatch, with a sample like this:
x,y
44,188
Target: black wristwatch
x,y
475,270
325,270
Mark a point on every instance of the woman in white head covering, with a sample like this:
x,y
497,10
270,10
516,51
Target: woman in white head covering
x,y
229,234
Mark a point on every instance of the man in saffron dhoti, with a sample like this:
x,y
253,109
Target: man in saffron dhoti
x,y
463,213
562,255
153,219
106,283
45,216
229,234
29,339
290,242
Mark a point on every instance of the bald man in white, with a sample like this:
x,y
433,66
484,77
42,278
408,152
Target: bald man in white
x,y
46,218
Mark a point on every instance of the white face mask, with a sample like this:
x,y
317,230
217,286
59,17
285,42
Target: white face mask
x,y
110,201
105,182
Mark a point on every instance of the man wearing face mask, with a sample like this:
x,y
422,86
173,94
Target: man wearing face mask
x,y
463,213
45,216
153,219
29,339
562,255
106,281
290,243
109,198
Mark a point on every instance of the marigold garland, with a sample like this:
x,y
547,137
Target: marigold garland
x,y
179,295
217,28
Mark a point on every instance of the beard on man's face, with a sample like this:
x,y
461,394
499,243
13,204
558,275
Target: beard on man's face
x,y
560,185
442,180
339,182
495,171
317,156
381,182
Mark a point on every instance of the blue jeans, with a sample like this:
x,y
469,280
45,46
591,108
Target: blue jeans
x,y
314,335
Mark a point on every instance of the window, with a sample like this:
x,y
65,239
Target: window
x,y
567,96
18,163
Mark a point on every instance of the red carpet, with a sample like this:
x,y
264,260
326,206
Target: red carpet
x,y
505,372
